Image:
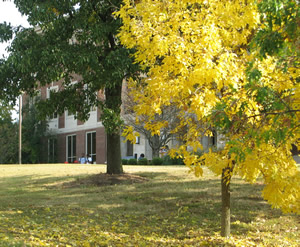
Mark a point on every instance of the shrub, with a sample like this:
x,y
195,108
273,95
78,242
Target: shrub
x,y
167,160
178,161
157,161
124,161
143,161
132,162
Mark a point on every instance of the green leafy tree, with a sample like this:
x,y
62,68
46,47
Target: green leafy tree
x,y
8,136
70,38
34,136
279,35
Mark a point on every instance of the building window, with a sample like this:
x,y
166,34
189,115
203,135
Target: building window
x,y
71,148
52,153
91,145
213,139
138,140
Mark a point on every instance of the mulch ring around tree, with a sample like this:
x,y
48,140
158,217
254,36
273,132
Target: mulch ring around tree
x,y
104,179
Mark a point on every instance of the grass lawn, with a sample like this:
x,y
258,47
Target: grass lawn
x,y
70,205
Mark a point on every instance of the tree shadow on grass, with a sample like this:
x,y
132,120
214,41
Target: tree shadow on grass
x,y
130,203
193,203
104,179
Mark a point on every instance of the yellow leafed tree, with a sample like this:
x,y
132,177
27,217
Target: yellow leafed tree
x,y
197,57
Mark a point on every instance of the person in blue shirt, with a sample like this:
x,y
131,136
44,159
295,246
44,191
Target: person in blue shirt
x,y
83,159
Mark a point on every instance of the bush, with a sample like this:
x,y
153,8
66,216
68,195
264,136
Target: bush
x,y
143,161
178,161
124,161
167,160
132,162
157,161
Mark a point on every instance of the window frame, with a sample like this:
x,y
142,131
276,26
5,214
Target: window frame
x,y
52,150
93,155
73,155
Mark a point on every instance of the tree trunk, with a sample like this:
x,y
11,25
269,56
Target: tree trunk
x,y
155,153
155,146
225,218
111,122
114,165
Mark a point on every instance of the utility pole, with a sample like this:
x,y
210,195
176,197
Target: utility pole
x,y
20,129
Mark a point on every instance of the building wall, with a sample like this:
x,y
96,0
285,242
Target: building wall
x,y
61,148
101,145
80,146
73,126
81,137
143,148
65,125
138,148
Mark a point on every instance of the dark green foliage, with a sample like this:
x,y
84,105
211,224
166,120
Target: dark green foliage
x,y
124,161
5,32
75,37
132,162
167,160
8,136
278,37
34,136
178,161
143,161
221,120
157,161
280,30
8,143
270,42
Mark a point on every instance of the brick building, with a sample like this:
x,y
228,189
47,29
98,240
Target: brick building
x,y
73,138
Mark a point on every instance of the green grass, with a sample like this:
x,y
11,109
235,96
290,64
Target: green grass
x,y
53,205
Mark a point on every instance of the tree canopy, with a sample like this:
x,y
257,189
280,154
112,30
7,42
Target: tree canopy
x,y
199,58
8,135
35,135
69,38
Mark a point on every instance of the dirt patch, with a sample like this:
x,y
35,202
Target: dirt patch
x,y
103,179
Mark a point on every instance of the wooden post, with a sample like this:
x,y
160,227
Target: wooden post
x,y
20,129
